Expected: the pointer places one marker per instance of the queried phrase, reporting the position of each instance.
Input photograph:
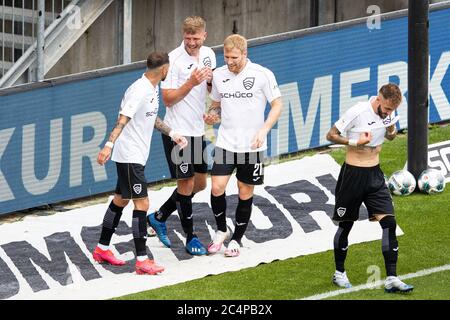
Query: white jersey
(362, 118)
(243, 98)
(186, 116)
(140, 103)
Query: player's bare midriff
(363, 156)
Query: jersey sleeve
(346, 122)
(270, 88)
(215, 94)
(213, 60)
(130, 104)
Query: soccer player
(363, 129)
(184, 94)
(129, 143)
(240, 92)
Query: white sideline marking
(377, 283)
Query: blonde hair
(235, 41)
(194, 24)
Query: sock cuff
(245, 203)
(182, 197)
(174, 194)
(346, 225)
(139, 213)
(213, 197)
(388, 222)
(115, 208)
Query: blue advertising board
(50, 135)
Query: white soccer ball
(402, 183)
(431, 181)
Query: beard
(164, 77)
(380, 113)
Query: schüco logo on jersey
(236, 95)
(248, 84)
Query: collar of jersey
(148, 81)
(370, 105)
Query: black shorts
(356, 185)
(185, 163)
(131, 182)
(249, 165)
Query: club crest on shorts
(184, 167)
(207, 62)
(341, 211)
(137, 188)
(249, 82)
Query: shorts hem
(344, 220)
(373, 219)
(129, 199)
(252, 183)
(221, 174)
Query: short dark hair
(157, 59)
(391, 92)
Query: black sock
(341, 244)
(110, 223)
(243, 212)
(219, 208)
(139, 227)
(167, 208)
(389, 245)
(184, 206)
(189, 236)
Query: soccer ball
(402, 183)
(431, 181)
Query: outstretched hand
(180, 140)
(199, 75)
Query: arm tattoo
(117, 130)
(215, 110)
(112, 137)
(162, 127)
(334, 135)
(119, 125)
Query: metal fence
(19, 25)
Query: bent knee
(118, 201)
(185, 186)
(199, 187)
(141, 204)
(217, 190)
